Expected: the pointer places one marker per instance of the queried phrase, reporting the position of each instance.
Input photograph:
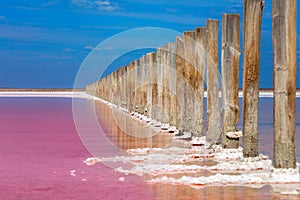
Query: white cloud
(90, 47)
(2, 17)
(102, 5)
(69, 50)
(106, 6)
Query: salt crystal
(235, 134)
(72, 172)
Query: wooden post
(159, 107)
(180, 84)
(127, 87)
(113, 87)
(230, 79)
(124, 86)
(200, 66)
(98, 88)
(148, 85)
(137, 84)
(117, 93)
(189, 74)
(172, 82)
(165, 87)
(154, 92)
(131, 92)
(106, 86)
(284, 42)
(143, 86)
(213, 131)
(252, 30)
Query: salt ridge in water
(253, 172)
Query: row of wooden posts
(168, 85)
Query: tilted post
(213, 130)
(253, 10)
(284, 43)
(230, 80)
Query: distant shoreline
(83, 90)
(42, 89)
(264, 93)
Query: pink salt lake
(42, 156)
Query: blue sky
(43, 43)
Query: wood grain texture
(213, 130)
(200, 73)
(230, 78)
(284, 43)
(253, 10)
(189, 78)
(180, 83)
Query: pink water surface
(39, 146)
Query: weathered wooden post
(107, 87)
(253, 10)
(189, 75)
(165, 87)
(148, 84)
(200, 66)
(112, 85)
(131, 91)
(98, 88)
(158, 107)
(124, 86)
(172, 82)
(180, 84)
(127, 87)
(117, 93)
(137, 84)
(213, 131)
(284, 43)
(154, 92)
(230, 80)
(143, 86)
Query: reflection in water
(128, 132)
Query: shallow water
(40, 146)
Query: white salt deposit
(73, 172)
(235, 134)
(252, 172)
